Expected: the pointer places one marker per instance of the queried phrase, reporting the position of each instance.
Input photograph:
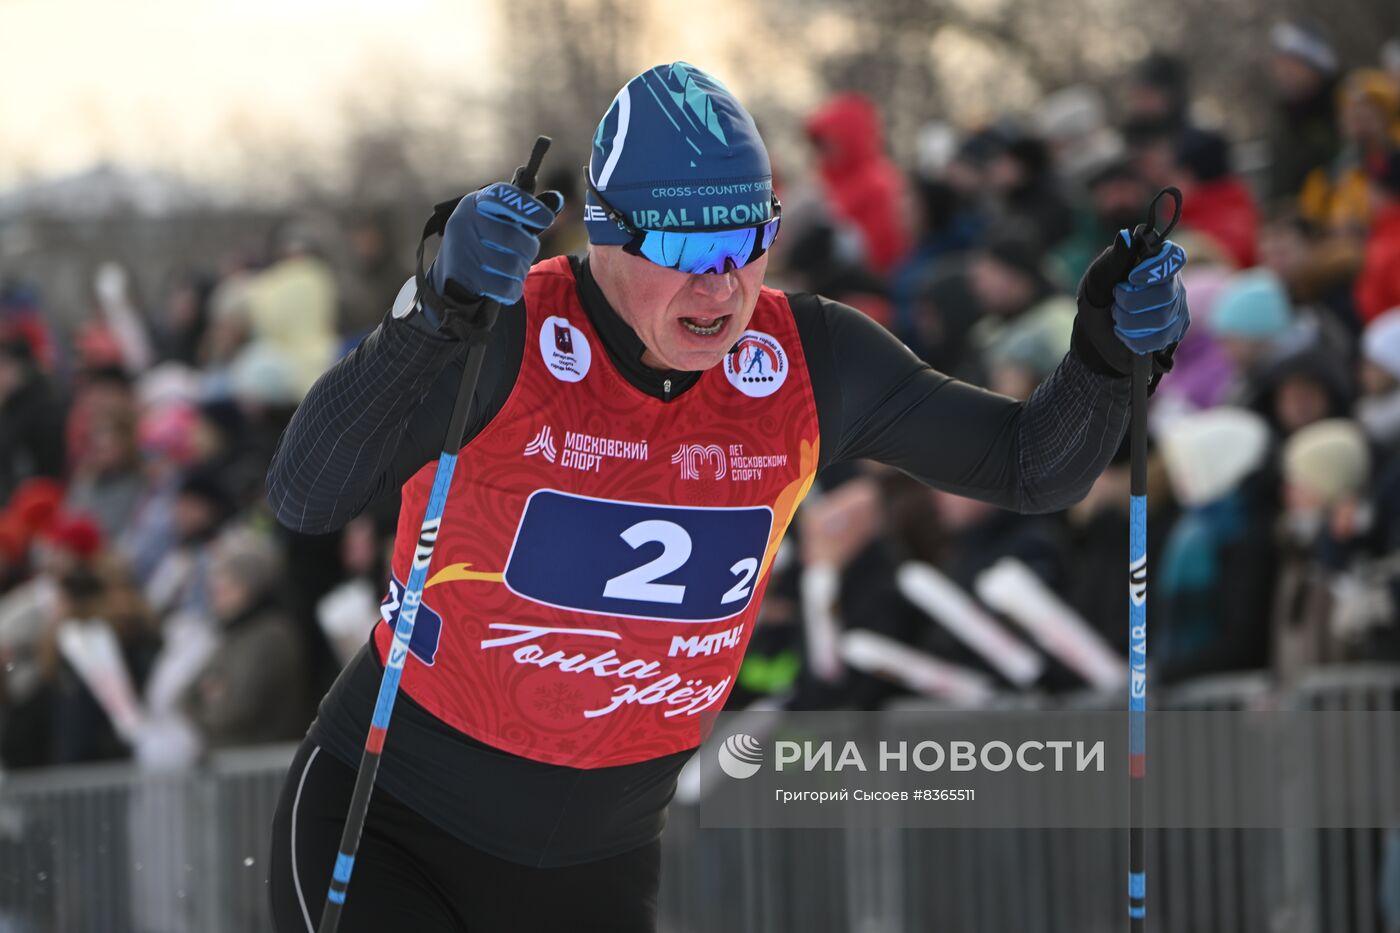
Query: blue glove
(1128, 310)
(1149, 310)
(489, 243)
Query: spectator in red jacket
(1216, 201)
(1378, 286)
(865, 187)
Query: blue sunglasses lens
(707, 251)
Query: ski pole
(524, 179)
(1146, 240)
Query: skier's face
(688, 322)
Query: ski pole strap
(471, 319)
(1174, 193)
(1146, 237)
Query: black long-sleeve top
(378, 415)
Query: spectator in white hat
(1379, 407)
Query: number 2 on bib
(635, 559)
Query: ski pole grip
(524, 177)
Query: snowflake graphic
(557, 700)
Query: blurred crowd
(151, 608)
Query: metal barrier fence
(110, 849)
(106, 849)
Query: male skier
(646, 423)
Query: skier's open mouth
(705, 326)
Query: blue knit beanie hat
(677, 151)
(1252, 304)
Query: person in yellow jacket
(292, 309)
(1337, 198)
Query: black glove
(489, 240)
(1129, 307)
